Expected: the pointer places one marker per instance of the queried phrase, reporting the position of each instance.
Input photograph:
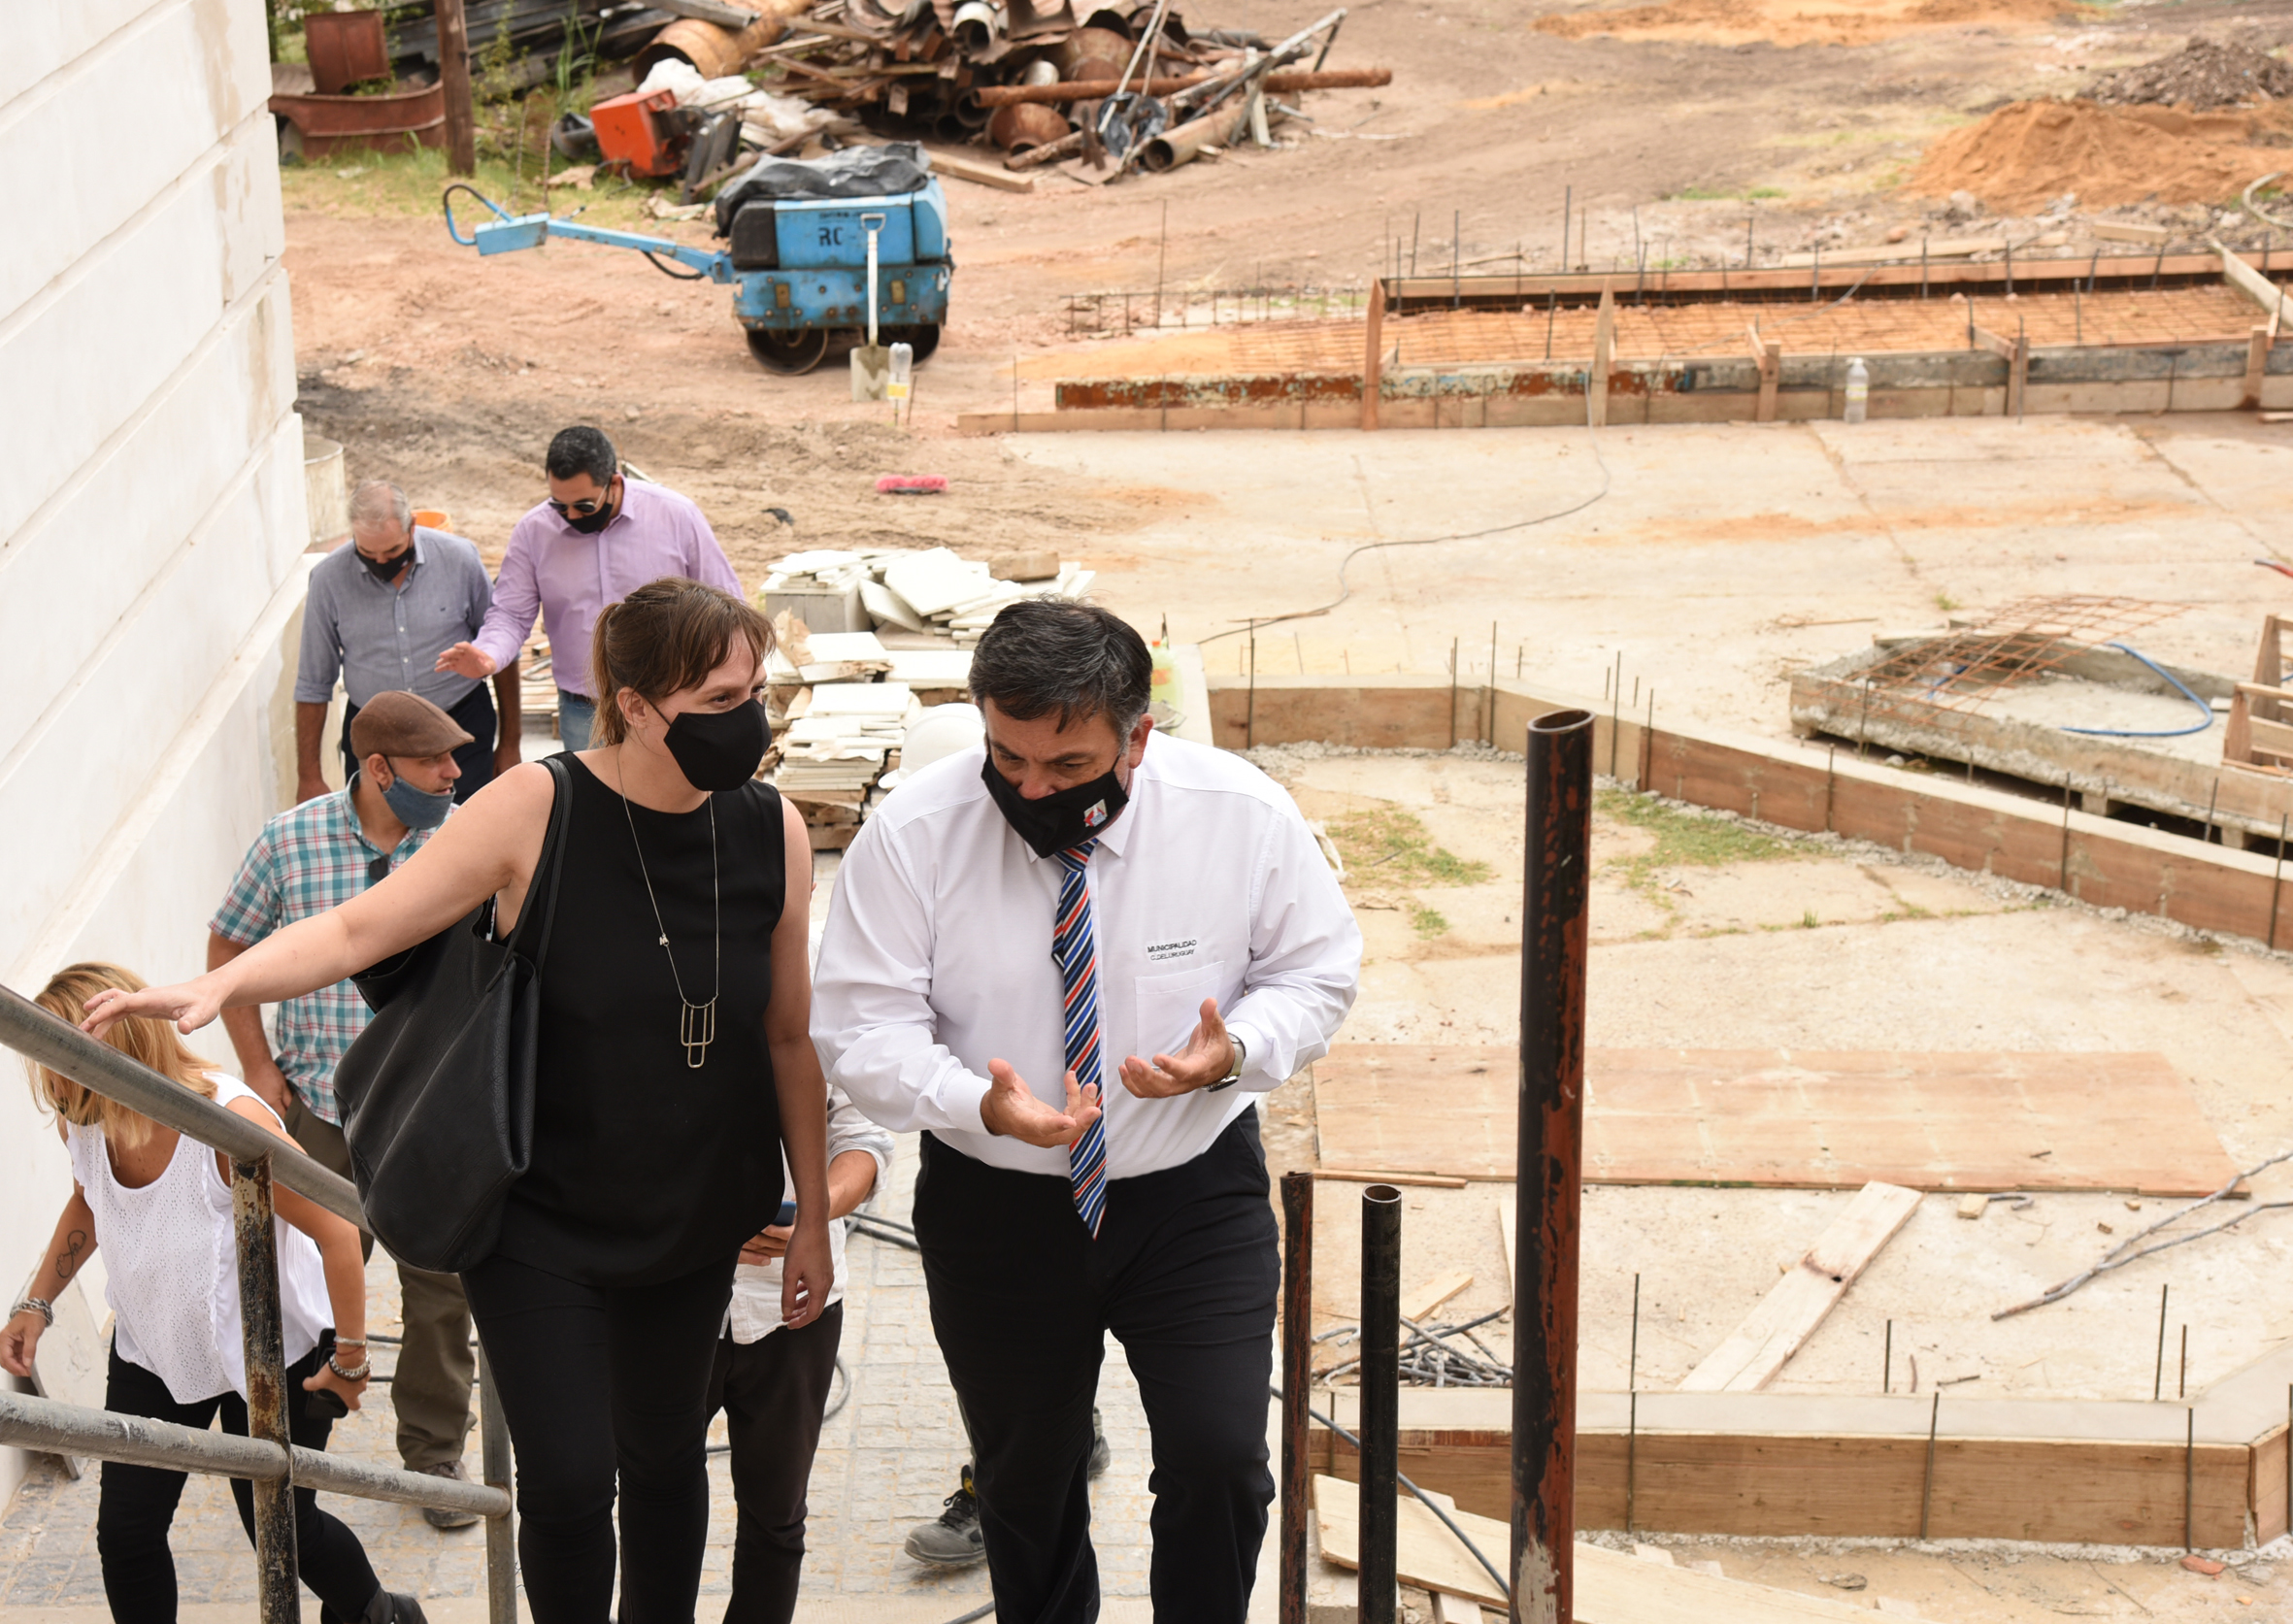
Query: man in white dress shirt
(1074, 958)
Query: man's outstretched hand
(1207, 1058)
(1011, 1109)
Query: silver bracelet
(364, 1370)
(46, 1308)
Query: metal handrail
(68, 1429)
(267, 1455)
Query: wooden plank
(1372, 368)
(1775, 1330)
(1859, 1487)
(981, 174)
(2242, 277)
(1506, 1216)
(1458, 1609)
(1793, 1119)
(1426, 1553)
(2256, 365)
(1419, 1304)
(1604, 354)
(1353, 1176)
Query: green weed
(1396, 846)
(1685, 838)
(1427, 923)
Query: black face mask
(386, 570)
(588, 524)
(719, 750)
(1062, 819)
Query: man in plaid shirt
(309, 859)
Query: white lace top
(173, 1266)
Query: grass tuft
(1685, 838)
(1396, 846)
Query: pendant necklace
(696, 1023)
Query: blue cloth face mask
(417, 809)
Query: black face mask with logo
(1062, 819)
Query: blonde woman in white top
(160, 1206)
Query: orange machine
(643, 132)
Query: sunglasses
(583, 508)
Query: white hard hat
(943, 731)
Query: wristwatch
(1233, 1072)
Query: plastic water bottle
(903, 371)
(1858, 391)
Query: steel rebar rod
(1550, 1159)
(68, 1051)
(1381, 1403)
(1297, 1382)
(30, 1422)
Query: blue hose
(2204, 709)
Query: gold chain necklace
(696, 1023)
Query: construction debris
(2202, 76)
(1032, 79)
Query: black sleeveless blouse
(646, 1169)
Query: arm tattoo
(67, 1261)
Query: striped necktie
(1072, 942)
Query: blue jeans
(575, 715)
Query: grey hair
(377, 502)
(1045, 655)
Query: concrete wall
(151, 522)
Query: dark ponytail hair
(665, 636)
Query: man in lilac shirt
(599, 537)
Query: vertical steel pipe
(263, 1343)
(501, 1532)
(1551, 1163)
(1380, 1401)
(1297, 1385)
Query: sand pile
(1797, 22)
(2026, 154)
(2202, 76)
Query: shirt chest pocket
(1169, 1006)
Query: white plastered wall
(151, 519)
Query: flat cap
(403, 724)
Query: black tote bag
(437, 1093)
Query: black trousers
(1183, 1272)
(599, 1383)
(135, 1504)
(774, 1394)
(474, 716)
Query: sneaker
(437, 1516)
(1101, 1455)
(394, 1608)
(953, 1539)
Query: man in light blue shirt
(378, 614)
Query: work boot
(1101, 1455)
(392, 1608)
(952, 1540)
(437, 1516)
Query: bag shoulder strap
(549, 863)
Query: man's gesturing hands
(1207, 1058)
(1012, 1109)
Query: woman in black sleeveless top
(674, 1063)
